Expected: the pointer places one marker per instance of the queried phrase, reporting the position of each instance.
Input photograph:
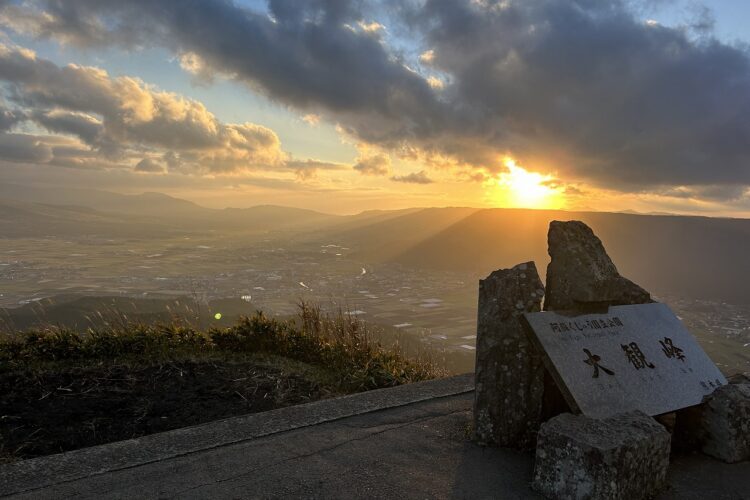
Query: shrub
(340, 343)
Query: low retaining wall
(36, 473)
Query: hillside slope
(664, 253)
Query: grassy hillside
(79, 313)
(61, 390)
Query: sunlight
(520, 188)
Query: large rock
(720, 427)
(581, 277)
(622, 457)
(509, 371)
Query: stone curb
(36, 473)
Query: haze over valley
(83, 257)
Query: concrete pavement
(406, 442)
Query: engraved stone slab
(634, 357)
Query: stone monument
(509, 373)
(581, 277)
(613, 356)
(625, 455)
(634, 357)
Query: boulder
(509, 372)
(621, 457)
(720, 427)
(581, 277)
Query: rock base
(622, 457)
(720, 427)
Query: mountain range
(698, 257)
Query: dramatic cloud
(314, 55)
(619, 101)
(420, 177)
(123, 117)
(581, 87)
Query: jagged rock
(509, 371)
(720, 427)
(622, 457)
(581, 276)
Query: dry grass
(341, 343)
(62, 390)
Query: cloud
(121, 117)
(302, 54)
(594, 91)
(88, 128)
(195, 65)
(371, 27)
(427, 56)
(716, 193)
(435, 83)
(420, 177)
(573, 191)
(24, 148)
(311, 119)
(8, 118)
(582, 87)
(147, 165)
(377, 164)
(308, 169)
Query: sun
(520, 188)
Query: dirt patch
(49, 412)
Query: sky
(344, 105)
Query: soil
(47, 412)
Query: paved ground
(413, 450)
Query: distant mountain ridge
(158, 208)
(692, 256)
